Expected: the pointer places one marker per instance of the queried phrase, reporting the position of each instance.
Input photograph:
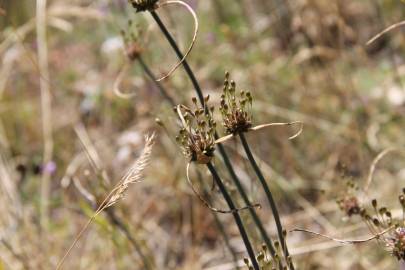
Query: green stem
(225, 157)
(246, 200)
(269, 197)
(235, 214)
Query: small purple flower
(49, 168)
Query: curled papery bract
(386, 30)
(206, 203)
(117, 84)
(255, 128)
(375, 162)
(190, 9)
(346, 241)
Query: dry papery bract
(152, 5)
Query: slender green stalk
(269, 197)
(220, 226)
(152, 77)
(225, 157)
(235, 214)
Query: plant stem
(152, 77)
(224, 155)
(235, 214)
(269, 197)
(246, 200)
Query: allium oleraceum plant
(197, 139)
(388, 229)
(190, 150)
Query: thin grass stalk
(132, 176)
(45, 109)
(269, 197)
(152, 77)
(105, 181)
(235, 214)
(222, 151)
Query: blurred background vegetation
(303, 60)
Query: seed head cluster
(268, 261)
(350, 205)
(396, 243)
(197, 135)
(380, 219)
(235, 110)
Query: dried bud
(143, 5)
(374, 203)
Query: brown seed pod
(133, 51)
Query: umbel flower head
(349, 202)
(235, 108)
(143, 5)
(197, 135)
(382, 220)
(396, 243)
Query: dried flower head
(197, 135)
(268, 261)
(133, 48)
(143, 5)
(396, 243)
(381, 220)
(349, 202)
(235, 108)
(350, 205)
